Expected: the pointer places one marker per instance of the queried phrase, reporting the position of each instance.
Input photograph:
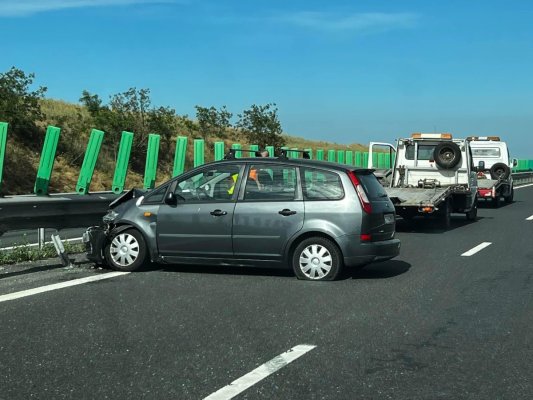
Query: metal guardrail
(58, 211)
(522, 178)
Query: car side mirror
(171, 199)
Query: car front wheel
(126, 251)
(317, 259)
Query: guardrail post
(123, 158)
(310, 151)
(180, 155)
(89, 161)
(340, 156)
(199, 146)
(41, 237)
(150, 170)
(3, 141)
(270, 150)
(46, 163)
(331, 155)
(219, 151)
(237, 146)
(320, 154)
(349, 157)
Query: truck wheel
(500, 171)
(317, 259)
(447, 154)
(126, 251)
(445, 214)
(472, 214)
(509, 198)
(496, 201)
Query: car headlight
(110, 216)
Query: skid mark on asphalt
(240, 385)
(55, 286)
(476, 249)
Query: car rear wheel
(317, 259)
(126, 251)
(445, 214)
(500, 171)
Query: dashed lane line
(240, 385)
(523, 186)
(61, 285)
(529, 218)
(476, 249)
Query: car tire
(509, 198)
(500, 171)
(126, 251)
(472, 214)
(317, 259)
(447, 155)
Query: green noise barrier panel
(365, 159)
(150, 169)
(123, 158)
(3, 141)
(340, 156)
(310, 151)
(237, 146)
(46, 163)
(89, 161)
(294, 152)
(331, 155)
(199, 146)
(253, 147)
(358, 159)
(180, 155)
(270, 150)
(320, 154)
(381, 160)
(219, 151)
(349, 157)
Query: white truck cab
(494, 167)
(432, 173)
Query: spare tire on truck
(500, 171)
(447, 154)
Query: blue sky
(343, 71)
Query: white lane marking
(240, 385)
(530, 218)
(523, 186)
(37, 244)
(55, 286)
(476, 249)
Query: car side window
(157, 195)
(217, 184)
(321, 185)
(270, 183)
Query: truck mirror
(481, 166)
(515, 162)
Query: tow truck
(495, 180)
(433, 174)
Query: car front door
(269, 212)
(199, 223)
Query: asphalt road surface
(430, 324)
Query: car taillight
(363, 198)
(365, 237)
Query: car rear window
(374, 190)
(321, 185)
(425, 151)
(486, 152)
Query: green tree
(213, 122)
(261, 125)
(19, 105)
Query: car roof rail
(230, 154)
(283, 153)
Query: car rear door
(269, 212)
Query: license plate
(389, 218)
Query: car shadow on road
(381, 270)
(221, 270)
(433, 224)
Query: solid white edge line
(240, 385)
(529, 218)
(55, 286)
(37, 244)
(523, 186)
(476, 249)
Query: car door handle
(286, 212)
(218, 213)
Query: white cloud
(355, 22)
(28, 7)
